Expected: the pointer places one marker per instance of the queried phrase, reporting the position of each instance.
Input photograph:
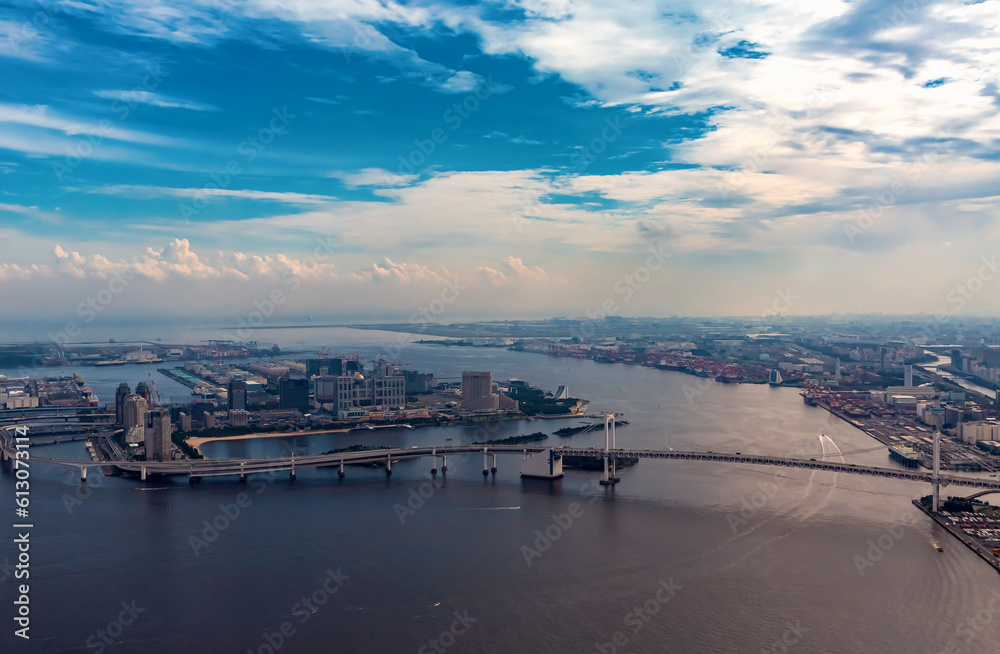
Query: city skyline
(365, 160)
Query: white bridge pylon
(610, 477)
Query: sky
(362, 160)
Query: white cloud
(373, 177)
(146, 192)
(154, 99)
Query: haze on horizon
(526, 158)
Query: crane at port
(156, 392)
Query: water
(792, 557)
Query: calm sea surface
(680, 557)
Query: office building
(478, 394)
(324, 367)
(158, 436)
(120, 395)
(134, 418)
(143, 389)
(294, 394)
(237, 394)
(354, 392)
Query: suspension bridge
(197, 469)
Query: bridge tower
(935, 481)
(609, 427)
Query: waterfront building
(239, 418)
(357, 393)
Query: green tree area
(955, 504)
(516, 440)
(573, 431)
(181, 441)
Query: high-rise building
(324, 367)
(476, 385)
(185, 421)
(120, 395)
(134, 417)
(294, 394)
(201, 406)
(158, 436)
(237, 394)
(207, 419)
(908, 376)
(142, 388)
(238, 418)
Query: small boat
(449, 439)
(939, 548)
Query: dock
(984, 553)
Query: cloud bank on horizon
(538, 155)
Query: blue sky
(533, 153)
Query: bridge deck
(219, 467)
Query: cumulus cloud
(176, 260)
(512, 269)
(387, 270)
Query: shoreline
(196, 442)
(961, 536)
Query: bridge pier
(243, 472)
(142, 473)
(494, 468)
(486, 463)
(83, 475)
(388, 465)
(291, 475)
(341, 473)
(444, 463)
(434, 460)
